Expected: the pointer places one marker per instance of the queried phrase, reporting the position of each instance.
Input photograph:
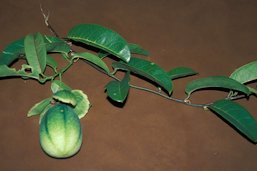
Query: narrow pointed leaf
(65, 96)
(245, 73)
(215, 82)
(238, 116)
(102, 38)
(93, 59)
(35, 51)
(58, 85)
(118, 90)
(55, 44)
(180, 72)
(148, 70)
(83, 103)
(136, 49)
(50, 61)
(38, 108)
(12, 52)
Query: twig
(46, 18)
(187, 102)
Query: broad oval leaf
(179, 72)
(58, 85)
(118, 90)
(216, 82)
(65, 96)
(238, 116)
(102, 38)
(35, 51)
(83, 103)
(136, 49)
(245, 73)
(12, 52)
(38, 108)
(146, 69)
(93, 59)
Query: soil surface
(148, 133)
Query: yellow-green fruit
(60, 132)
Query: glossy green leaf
(58, 85)
(216, 82)
(65, 96)
(133, 48)
(55, 44)
(12, 52)
(83, 103)
(146, 69)
(16, 49)
(118, 90)
(245, 73)
(136, 49)
(252, 90)
(38, 108)
(180, 72)
(102, 38)
(238, 116)
(35, 51)
(93, 59)
(50, 61)
(5, 71)
(44, 112)
(102, 54)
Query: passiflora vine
(60, 130)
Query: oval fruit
(60, 132)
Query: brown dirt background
(149, 133)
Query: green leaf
(102, 38)
(133, 48)
(12, 52)
(93, 59)
(58, 85)
(245, 73)
(5, 71)
(238, 116)
(50, 61)
(216, 82)
(180, 72)
(65, 96)
(16, 49)
(146, 69)
(252, 90)
(136, 49)
(35, 51)
(55, 44)
(39, 107)
(118, 90)
(83, 103)
(44, 112)
(102, 54)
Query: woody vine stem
(111, 75)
